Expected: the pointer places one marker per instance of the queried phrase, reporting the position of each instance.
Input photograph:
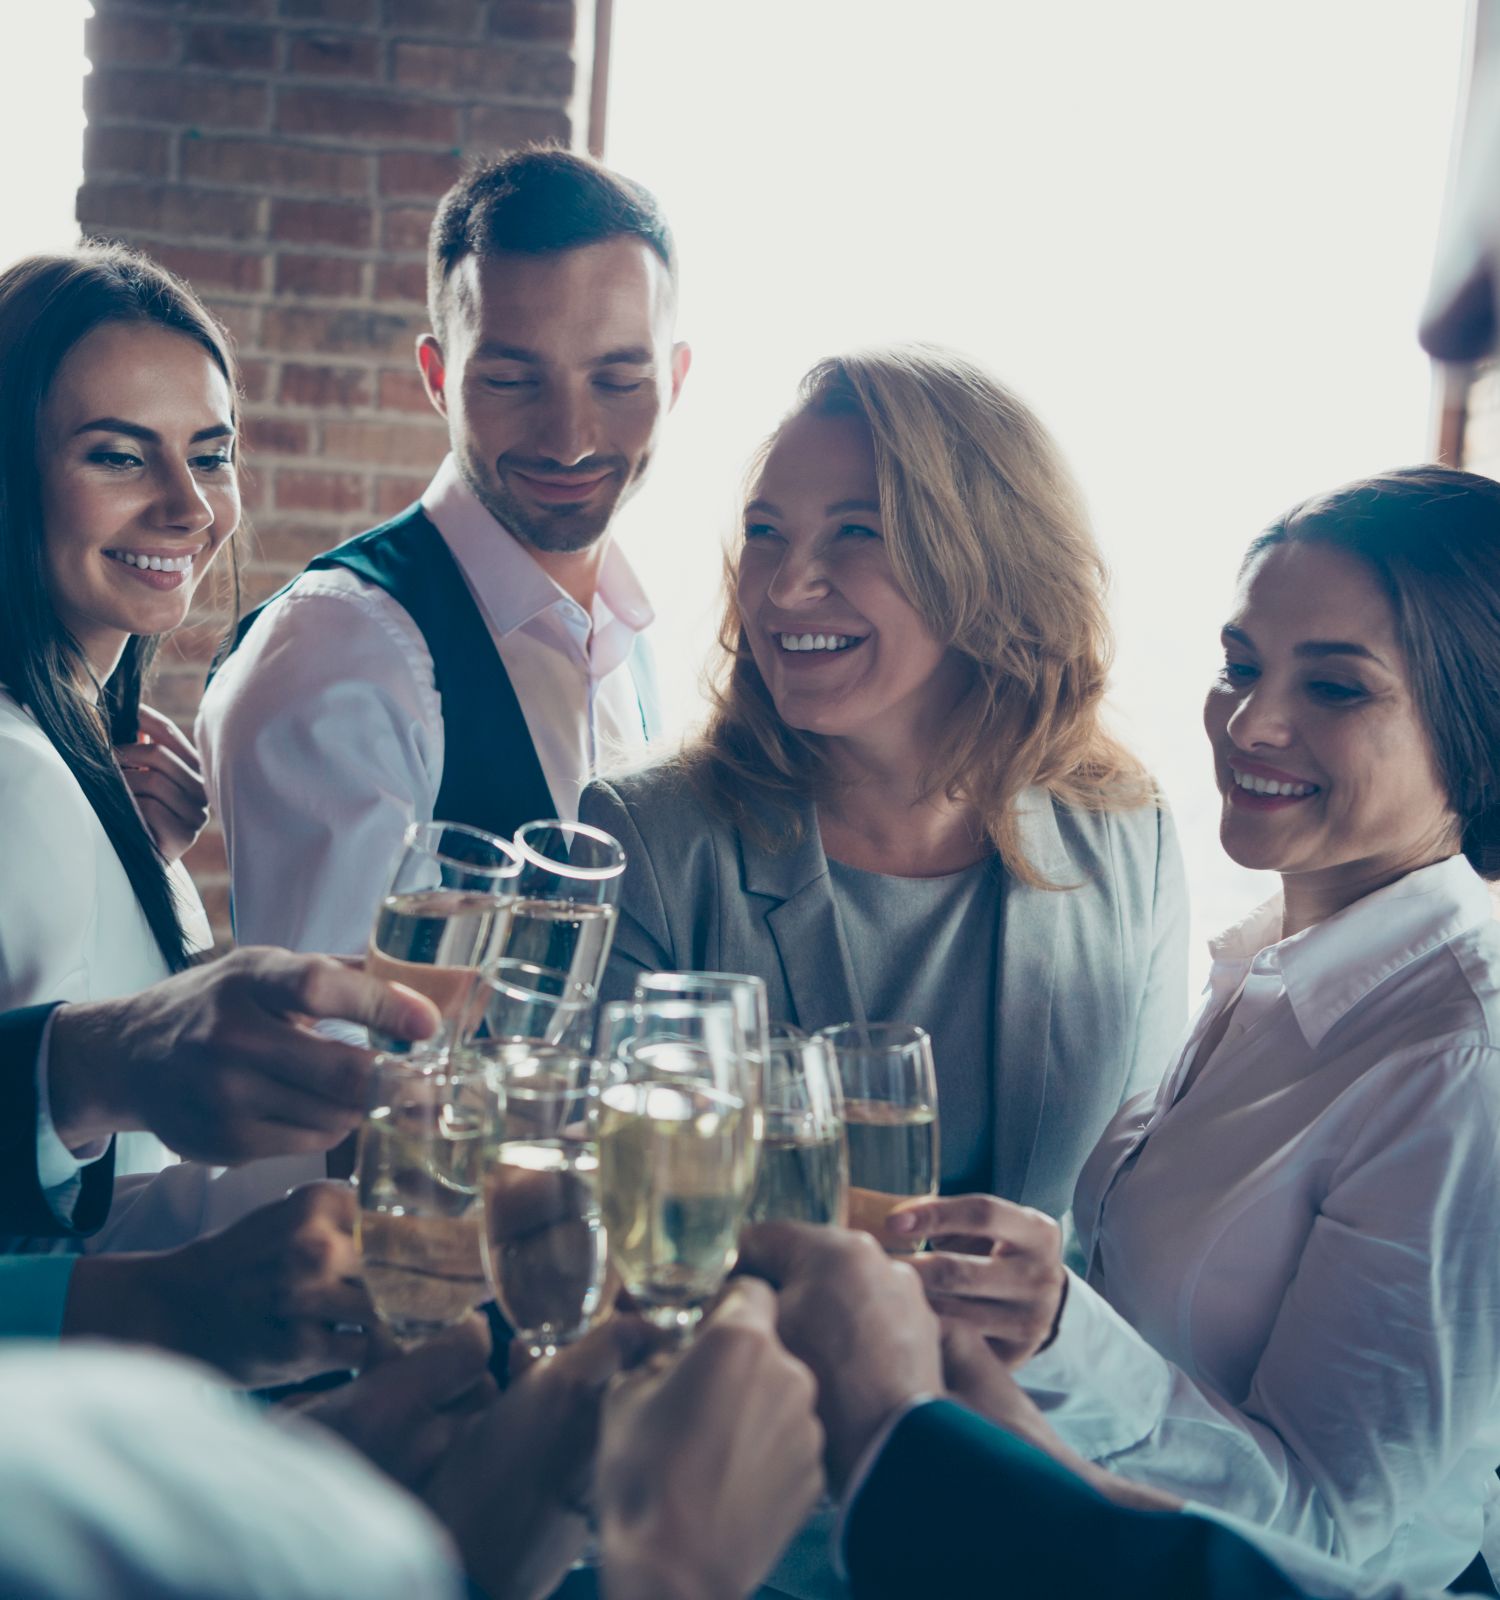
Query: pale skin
(1314, 697)
(554, 373)
(136, 449)
(814, 562)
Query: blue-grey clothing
(1090, 987)
(902, 935)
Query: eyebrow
(837, 509)
(133, 430)
(1314, 649)
(635, 355)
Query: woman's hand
(162, 772)
(994, 1266)
(274, 1298)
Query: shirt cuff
(34, 1295)
(1099, 1383)
(58, 1169)
(862, 1469)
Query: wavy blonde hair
(989, 540)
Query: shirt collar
(509, 585)
(1329, 968)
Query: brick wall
(284, 156)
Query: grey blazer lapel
(1031, 922)
(804, 927)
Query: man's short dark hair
(534, 202)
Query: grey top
(902, 935)
(1089, 979)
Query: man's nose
(565, 426)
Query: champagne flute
(567, 891)
(442, 918)
(544, 1242)
(746, 994)
(890, 1119)
(677, 1149)
(524, 1003)
(711, 1024)
(418, 1173)
(804, 1161)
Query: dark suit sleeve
(955, 1506)
(23, 1205)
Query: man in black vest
(474, 658)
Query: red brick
(321, 222)
(113, 149)
(405, 227)
(215, 897)
(350, 11)
(273, 164)
(255, 380)
(424, 174)
(194, 644)
(321, 491)
(263, 579)
(401, 389)
(177, 692)
(394, 495)
(286, 543)
(197, 100)
(338, 276)
(325, 388)
(207, 269)
(487, 69)
(333, 114)
(169, 208)
(307, 330)
(494, 128)
(124, 40)
(334, 55)
(544, 21)
(416, 443)
(241, 319)
(455, 17)
(402, 280)
(233, 49)
(277, 436)
(206, 859)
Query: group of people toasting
(904, 807)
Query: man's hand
(708, 1462)
(161, 770)
(273, 1299)
(406, 1409)
(220, 1063)
(994, 1266)
(857, 1318)
(511, 1488)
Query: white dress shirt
(128, 1476)
(322, 736)
(71, 927)
(1293, 1303)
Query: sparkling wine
(893, 1156)
(803, 1176)
(544, 1242)
(676, 1164)
(569, 936)
(417, 1227)
(435, 941)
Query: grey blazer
(1092, 986)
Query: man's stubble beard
(560, 535)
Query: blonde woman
(905, 806)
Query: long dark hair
(1431, 535)
(48, 304)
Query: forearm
(119, 1298)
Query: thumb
(775, 1251)
(437, 1372)
(746, 1303)
(322, 987)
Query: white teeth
(815, 641)
(1270, 786)
(151, 563)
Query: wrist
(82, 1081)
(118, 1297)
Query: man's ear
(682, 359)
(434, 371)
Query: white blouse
(1292, 1311)
(71, 927)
